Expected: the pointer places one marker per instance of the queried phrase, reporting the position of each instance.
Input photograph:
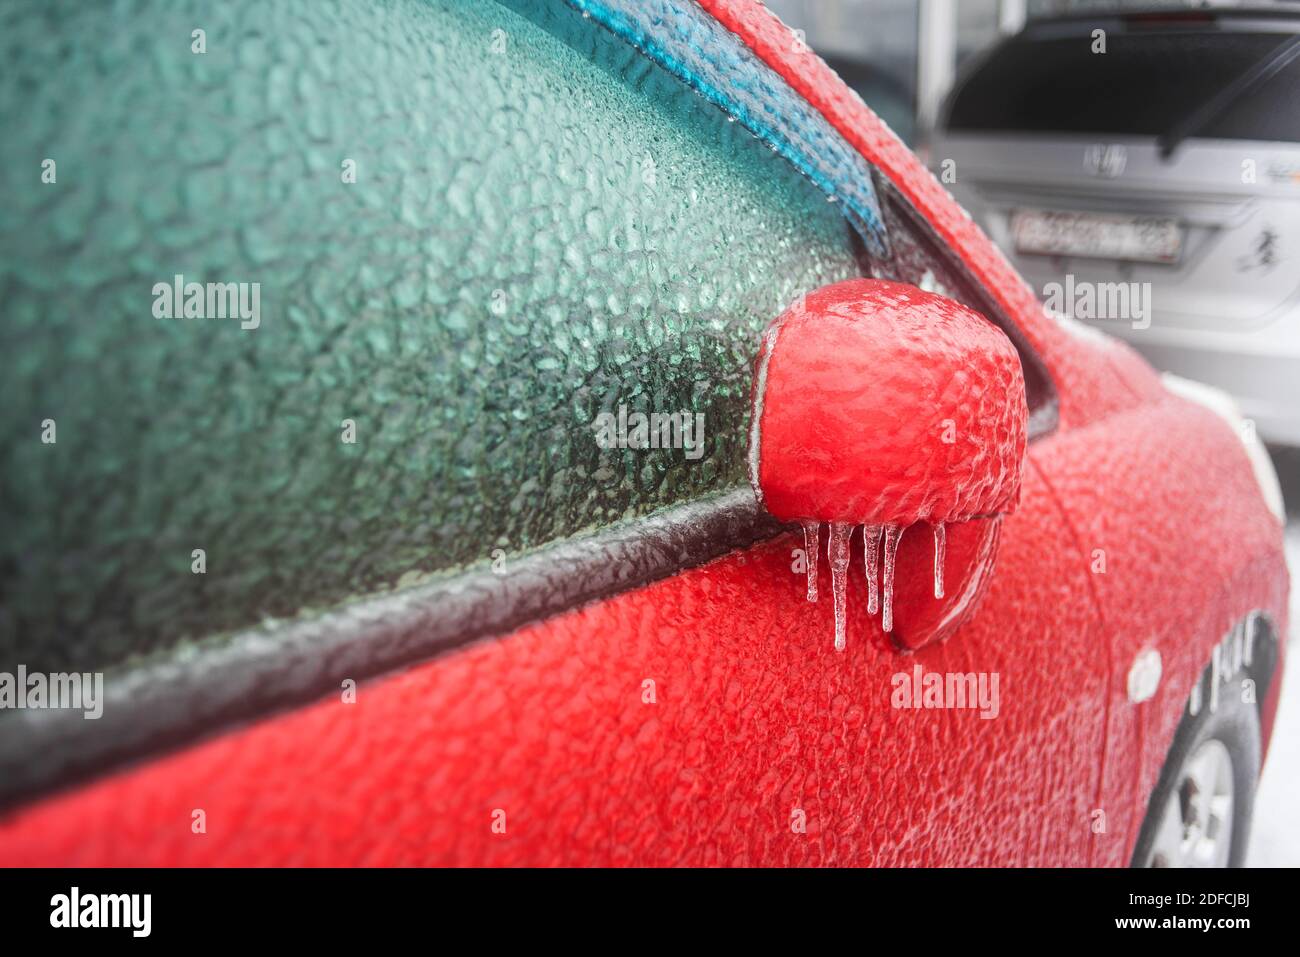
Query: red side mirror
(878, 404)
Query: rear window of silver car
(1144, 84)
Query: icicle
(940, 540)
(810, 547)
(892, 534)
(838, 552)
(871, 550)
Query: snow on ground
(1275, 840)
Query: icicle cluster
(880, 593)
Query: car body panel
(706, 719)
(1164, 506)
(1225, 193)
(754, 718)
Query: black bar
(443, 909)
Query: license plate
(1151, 239)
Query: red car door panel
(1179, 549)
(705, 720)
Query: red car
(595, 338)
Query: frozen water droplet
(838, 552)
(810, 546)
(940, 540)
(892, 534)
(871, 550)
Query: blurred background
(1148, 147)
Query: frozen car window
(472, 232)
(1142, 85)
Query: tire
(1179, 803)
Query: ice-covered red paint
(882, 404)
(753, 722)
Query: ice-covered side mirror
(880, 405)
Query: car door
(584, 219)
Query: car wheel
(1200, 811)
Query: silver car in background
(1142, 171)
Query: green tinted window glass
(473, 227)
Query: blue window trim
(713, 61)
